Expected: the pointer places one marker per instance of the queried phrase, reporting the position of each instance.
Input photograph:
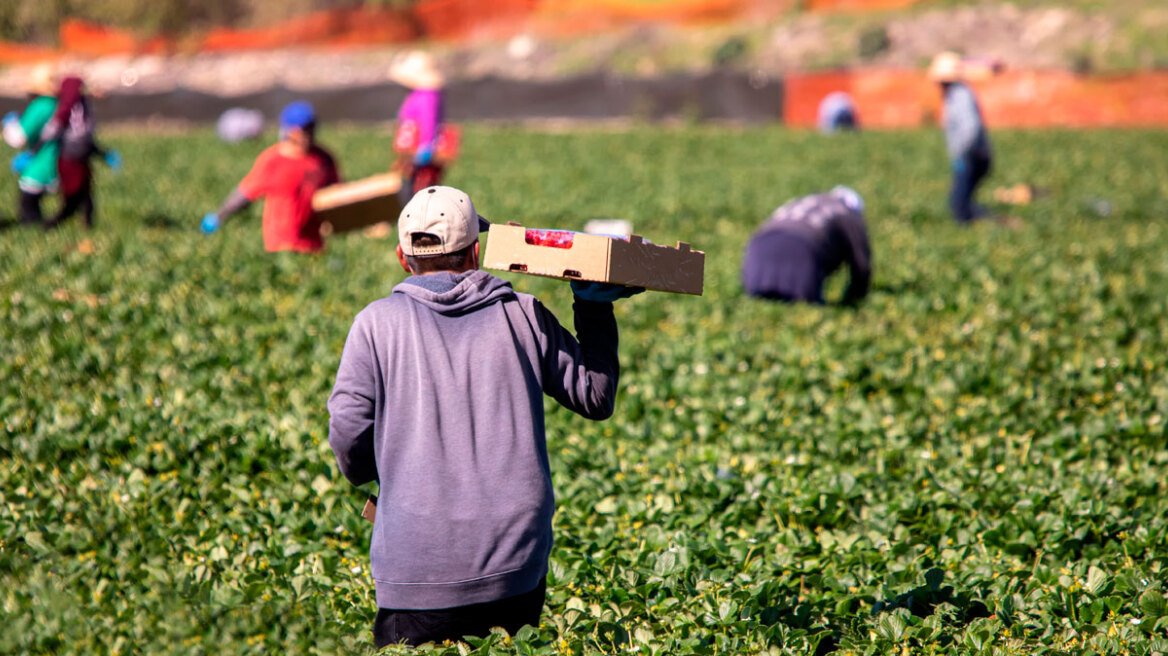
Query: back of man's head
(455, 261)
(438, 230)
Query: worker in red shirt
(286, 175)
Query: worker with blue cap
(803, 242)
(286, 175)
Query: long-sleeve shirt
(965, 132)
(439, 398)
(424, 107)
(801, 244)
(41, 173)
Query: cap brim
(484, 225)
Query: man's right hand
(210, 223)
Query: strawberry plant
(971, 462)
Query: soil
(1025, 38)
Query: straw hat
(416, 70)
(946, 67)
(42, 80)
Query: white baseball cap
(444, 212)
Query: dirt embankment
(771, 42)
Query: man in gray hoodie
(965, 135)
(439, 398)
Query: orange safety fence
(437, 19)
(85, 39)
(896, 99)
(448, 20)
(454, 20)
(333, 27)
(858, 5)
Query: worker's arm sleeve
(235, 202)
(255, 184)
(581, 372)
(34, 119)
(351, 408)
(859, 257)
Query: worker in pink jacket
(419, 122)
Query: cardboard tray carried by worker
(598, 258)
(358, 204)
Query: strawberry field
(974, 461)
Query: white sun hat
(42, 80)
(417, 70)
(946, 67)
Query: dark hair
(431, 263)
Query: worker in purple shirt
(803, 242)
(419, 121)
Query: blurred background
(1084, 63)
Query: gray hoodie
(439, 398)
(965, 133)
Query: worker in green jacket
(37, 163)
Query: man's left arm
(351, 408)
(858, 257)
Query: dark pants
(415, 627)
(965, 181)
(80, 201)
(30, 208)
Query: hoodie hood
(455, 293)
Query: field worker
(837, 113)
(36, 165)
(74, 126)
(965, 135)
(286, 175)
(805, 241)
(419, 120)
(439, 398)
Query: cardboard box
(354, 205)
(580, 256)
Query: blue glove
(114, 159)
(424, 156)
(210, 223)
(21, 161)
(959, 165)
(603, 292)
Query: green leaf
(1097, 580)
(1152, 604)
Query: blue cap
(297, 114)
